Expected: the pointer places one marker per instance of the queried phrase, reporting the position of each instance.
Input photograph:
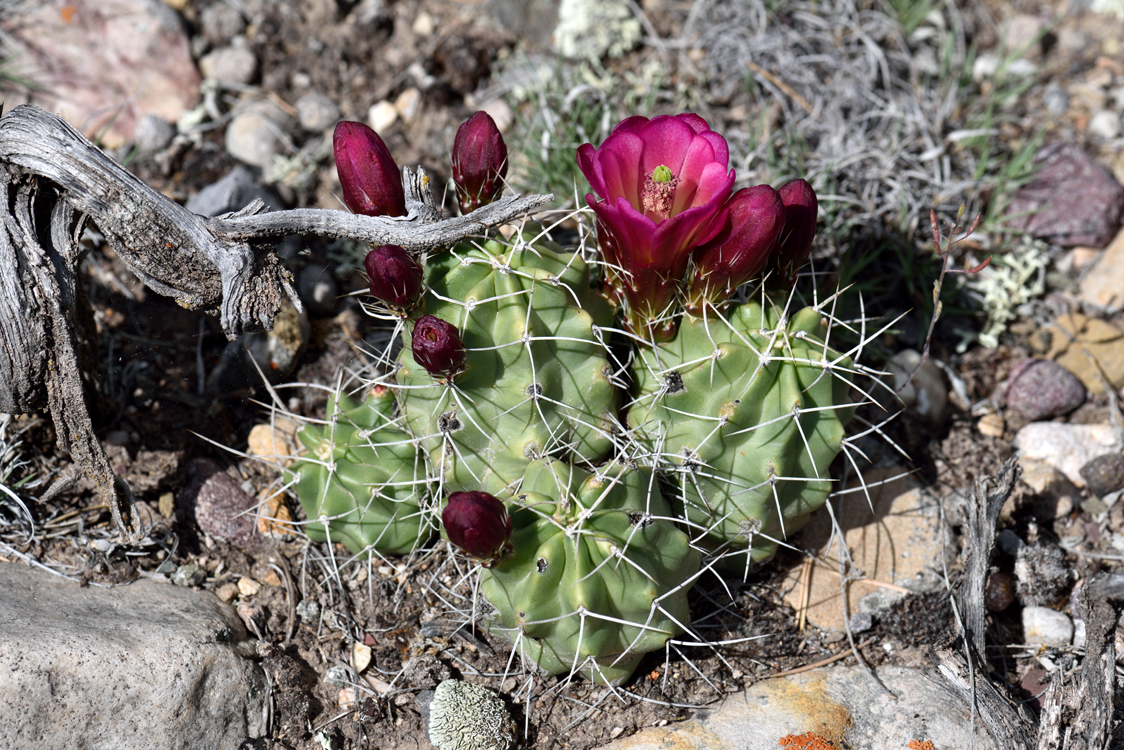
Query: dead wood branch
(53, 180)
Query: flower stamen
(658, 195)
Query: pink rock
(105, 64)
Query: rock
(926, 395)
(1103, 285)
(230, 65)
(103, 64)
(1087, 347)
(1055, 494)
(1046, 627)
(839, 705)
(139, 666)
(274, 441)
(1066, 447)
(317, 112)
(381, 116)
(991, 425)
(218, 504)
(220, 23)
(1104, 474)
(318, 291)
(1022, 36)
(408, 104)
(189, 576)
(1033, 686)
(1104, 125)
(1039, 389)
(251, 136)
(424, 25)
(464, 716)
(900, 544)
(152, 134)
(1071, 200)
(233, 192)
(1055, 98)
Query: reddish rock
(218, 504)
(1072, 200)
(1040, 389)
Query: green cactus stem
(366, 476)
(536, 379)
(600, 573)
(748, 413)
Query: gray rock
(317, 112)
(842, 705)
(131, 667)
(1040, 389)
(926, 395)
(153, 134)
(230, 65)
(217, 503)
(1104, 474)
(318, 291)
(220, 23)
(1066, 447)
(252, 134)
(1104, 125)
(464, 716)
(1046, 627)
(1022, 35)
(189, 575)
(1071, 200)
(235, 191)
(1055, 98)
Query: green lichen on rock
(464, 716)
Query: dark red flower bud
(371, 183)
(479, 162)
(437, 347)
(795, 243)
(395, 277)
(479, 525)
(742, 247)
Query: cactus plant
(747, 413)
(600, 572)
(536, 378)
(365, 476)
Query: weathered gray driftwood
(53, 180)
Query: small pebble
(218, 504)
(1104, 474)
(248, 586)
(991, 425)
(1104, 125)
(153, 133)
(189, 575)
(317, 112)
(1046, 627)
(360, 657)
(271, 578)
(999, 592)
(220, 23)
(382, 116)
(1040, 389)
(1055, 98)
(407, 104)
(251, 136)
(318, 291)
(227, 591)
(230, 65)
(424, 25)
(861, 622)
(1033, 686)
(274, 518)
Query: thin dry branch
(53, 181)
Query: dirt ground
(315, 602)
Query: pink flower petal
(666, 141)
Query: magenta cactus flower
(795, 242)
(740, 250)
(479, 525)
(660, 187)
(437, 346)
(370, 180)
(479, 162)
(394, 277)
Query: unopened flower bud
(395, 277)
(478, 524)
(479, 162)
(795, 242)
(741, 248)
(437, 347)
(370, 180)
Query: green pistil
(662, 174)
